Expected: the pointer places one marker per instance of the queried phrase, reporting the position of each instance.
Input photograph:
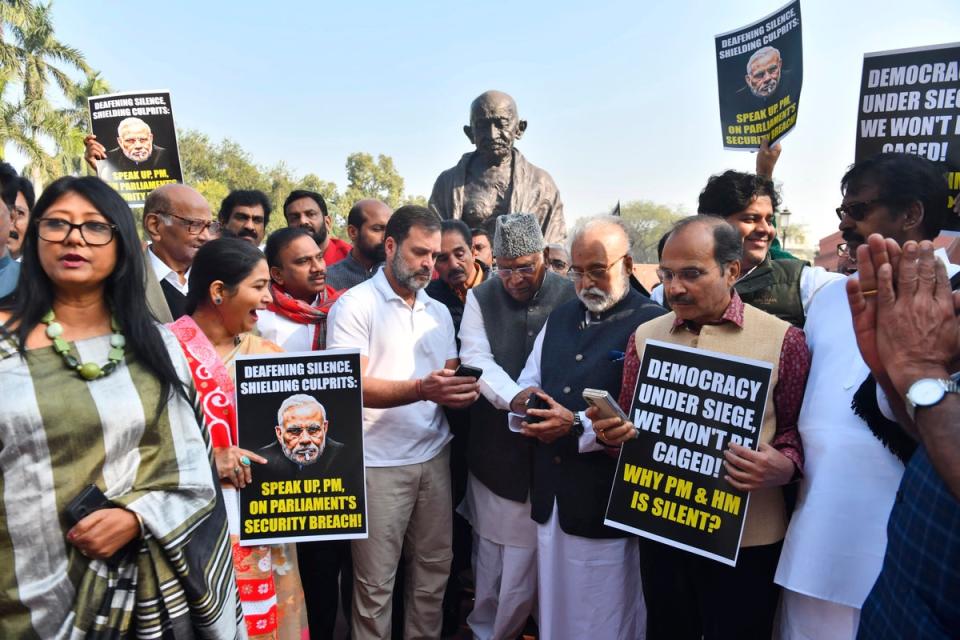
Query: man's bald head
(494, 125)
(367, 207)
(169, 197)
(179, 222)
(366, 224)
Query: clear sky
(621, 96)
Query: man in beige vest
(689, 596)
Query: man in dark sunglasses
(179, 221)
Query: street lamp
(784, 227)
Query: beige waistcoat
(761, 338)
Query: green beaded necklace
(86, 370)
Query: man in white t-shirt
(407, 360)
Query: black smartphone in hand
(466, 371)
(535, 402)
(86, 502)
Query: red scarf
(302, 313)
(212, 380)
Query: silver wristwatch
(927, 392)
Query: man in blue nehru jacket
(588, 574)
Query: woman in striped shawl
(98, 398)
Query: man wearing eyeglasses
(588, 574)
(21, 217)
(501, 320)
(9, 268)
(178, 220)
(557, 259)
(699, 265)
(835, 543)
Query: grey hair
(586, 224)
(727, 243)
(298, 400)
(759, 53)
(129, 122)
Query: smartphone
(607, 406)
(535, 402)
(466, 371)
(86, 502)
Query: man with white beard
(588, 573)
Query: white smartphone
(608, 407)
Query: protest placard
(303, 412)
(910, 103)
(138, 132)
(759, 76)
(689, 404)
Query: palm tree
(31, 59)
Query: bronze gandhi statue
(496, 178)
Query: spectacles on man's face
(194, 227)
(93, 233)
(857, 210)
(558, 265)
(598, 273)
(690, 274)
(523, 272)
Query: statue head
(494, 125)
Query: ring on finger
(245, 461)
(236, 470)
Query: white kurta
(292, 336)
(505, 537)
(837, 536)
(589, 587)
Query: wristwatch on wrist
(927, 392)
(577, 428)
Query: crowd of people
(117, 370)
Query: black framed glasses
(594, 274)
(857, 210)
(93, 233)
(194, 227)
